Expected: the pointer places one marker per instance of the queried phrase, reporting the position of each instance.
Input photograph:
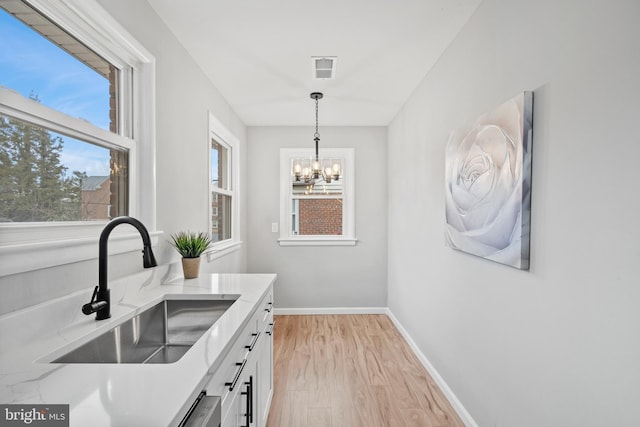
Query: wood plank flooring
(351, 371)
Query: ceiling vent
(324, 67)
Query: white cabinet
(244, 379)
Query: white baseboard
(448, 393)
(331, 310)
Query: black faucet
(101, 299)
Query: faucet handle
(93, 305)
(95, 294)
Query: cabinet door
(250, 415)
(265, 374)
(252, 406)
(242, 405)
(233, 417)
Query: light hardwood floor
(350, 371)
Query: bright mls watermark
(34, 415)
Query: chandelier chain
(316, 135)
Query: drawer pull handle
(253, 342)
(270, 331)
(249, 402)
(232, 384)
(268, 309)
(250, 399)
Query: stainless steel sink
(160, 334)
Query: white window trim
(348, 237)
(223, 136)
(31, 246)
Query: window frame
(348, 237)
(222, 136)
(30, 246)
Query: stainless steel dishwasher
(205, 412)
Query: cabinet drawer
(230, 367)
(268, 326)
(267, 307)
(226, 378)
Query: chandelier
(314, 169)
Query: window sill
(318, 241)
(22, 257)
(218, 251)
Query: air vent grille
(324, 67)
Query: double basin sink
(161, 334)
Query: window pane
(45, 176)
(219, 162)
(41, 61)
(220, 217)
(316, 216)
(313, 217)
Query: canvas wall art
(488, 184)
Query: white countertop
(118, 394)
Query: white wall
(313, 276)
(183, 98)
(558, 345)
(184, 95)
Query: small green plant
(190, 244)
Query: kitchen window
(71, 154)
(317, 212)
(223, 190)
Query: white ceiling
(258, 53)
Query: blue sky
(31, 64)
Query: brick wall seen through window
(320, 217)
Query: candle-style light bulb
(335, 171)
(306, 174)
(327, 175)
(297, 170)
(316, 169)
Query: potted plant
(190, 245)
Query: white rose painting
(488, 184)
